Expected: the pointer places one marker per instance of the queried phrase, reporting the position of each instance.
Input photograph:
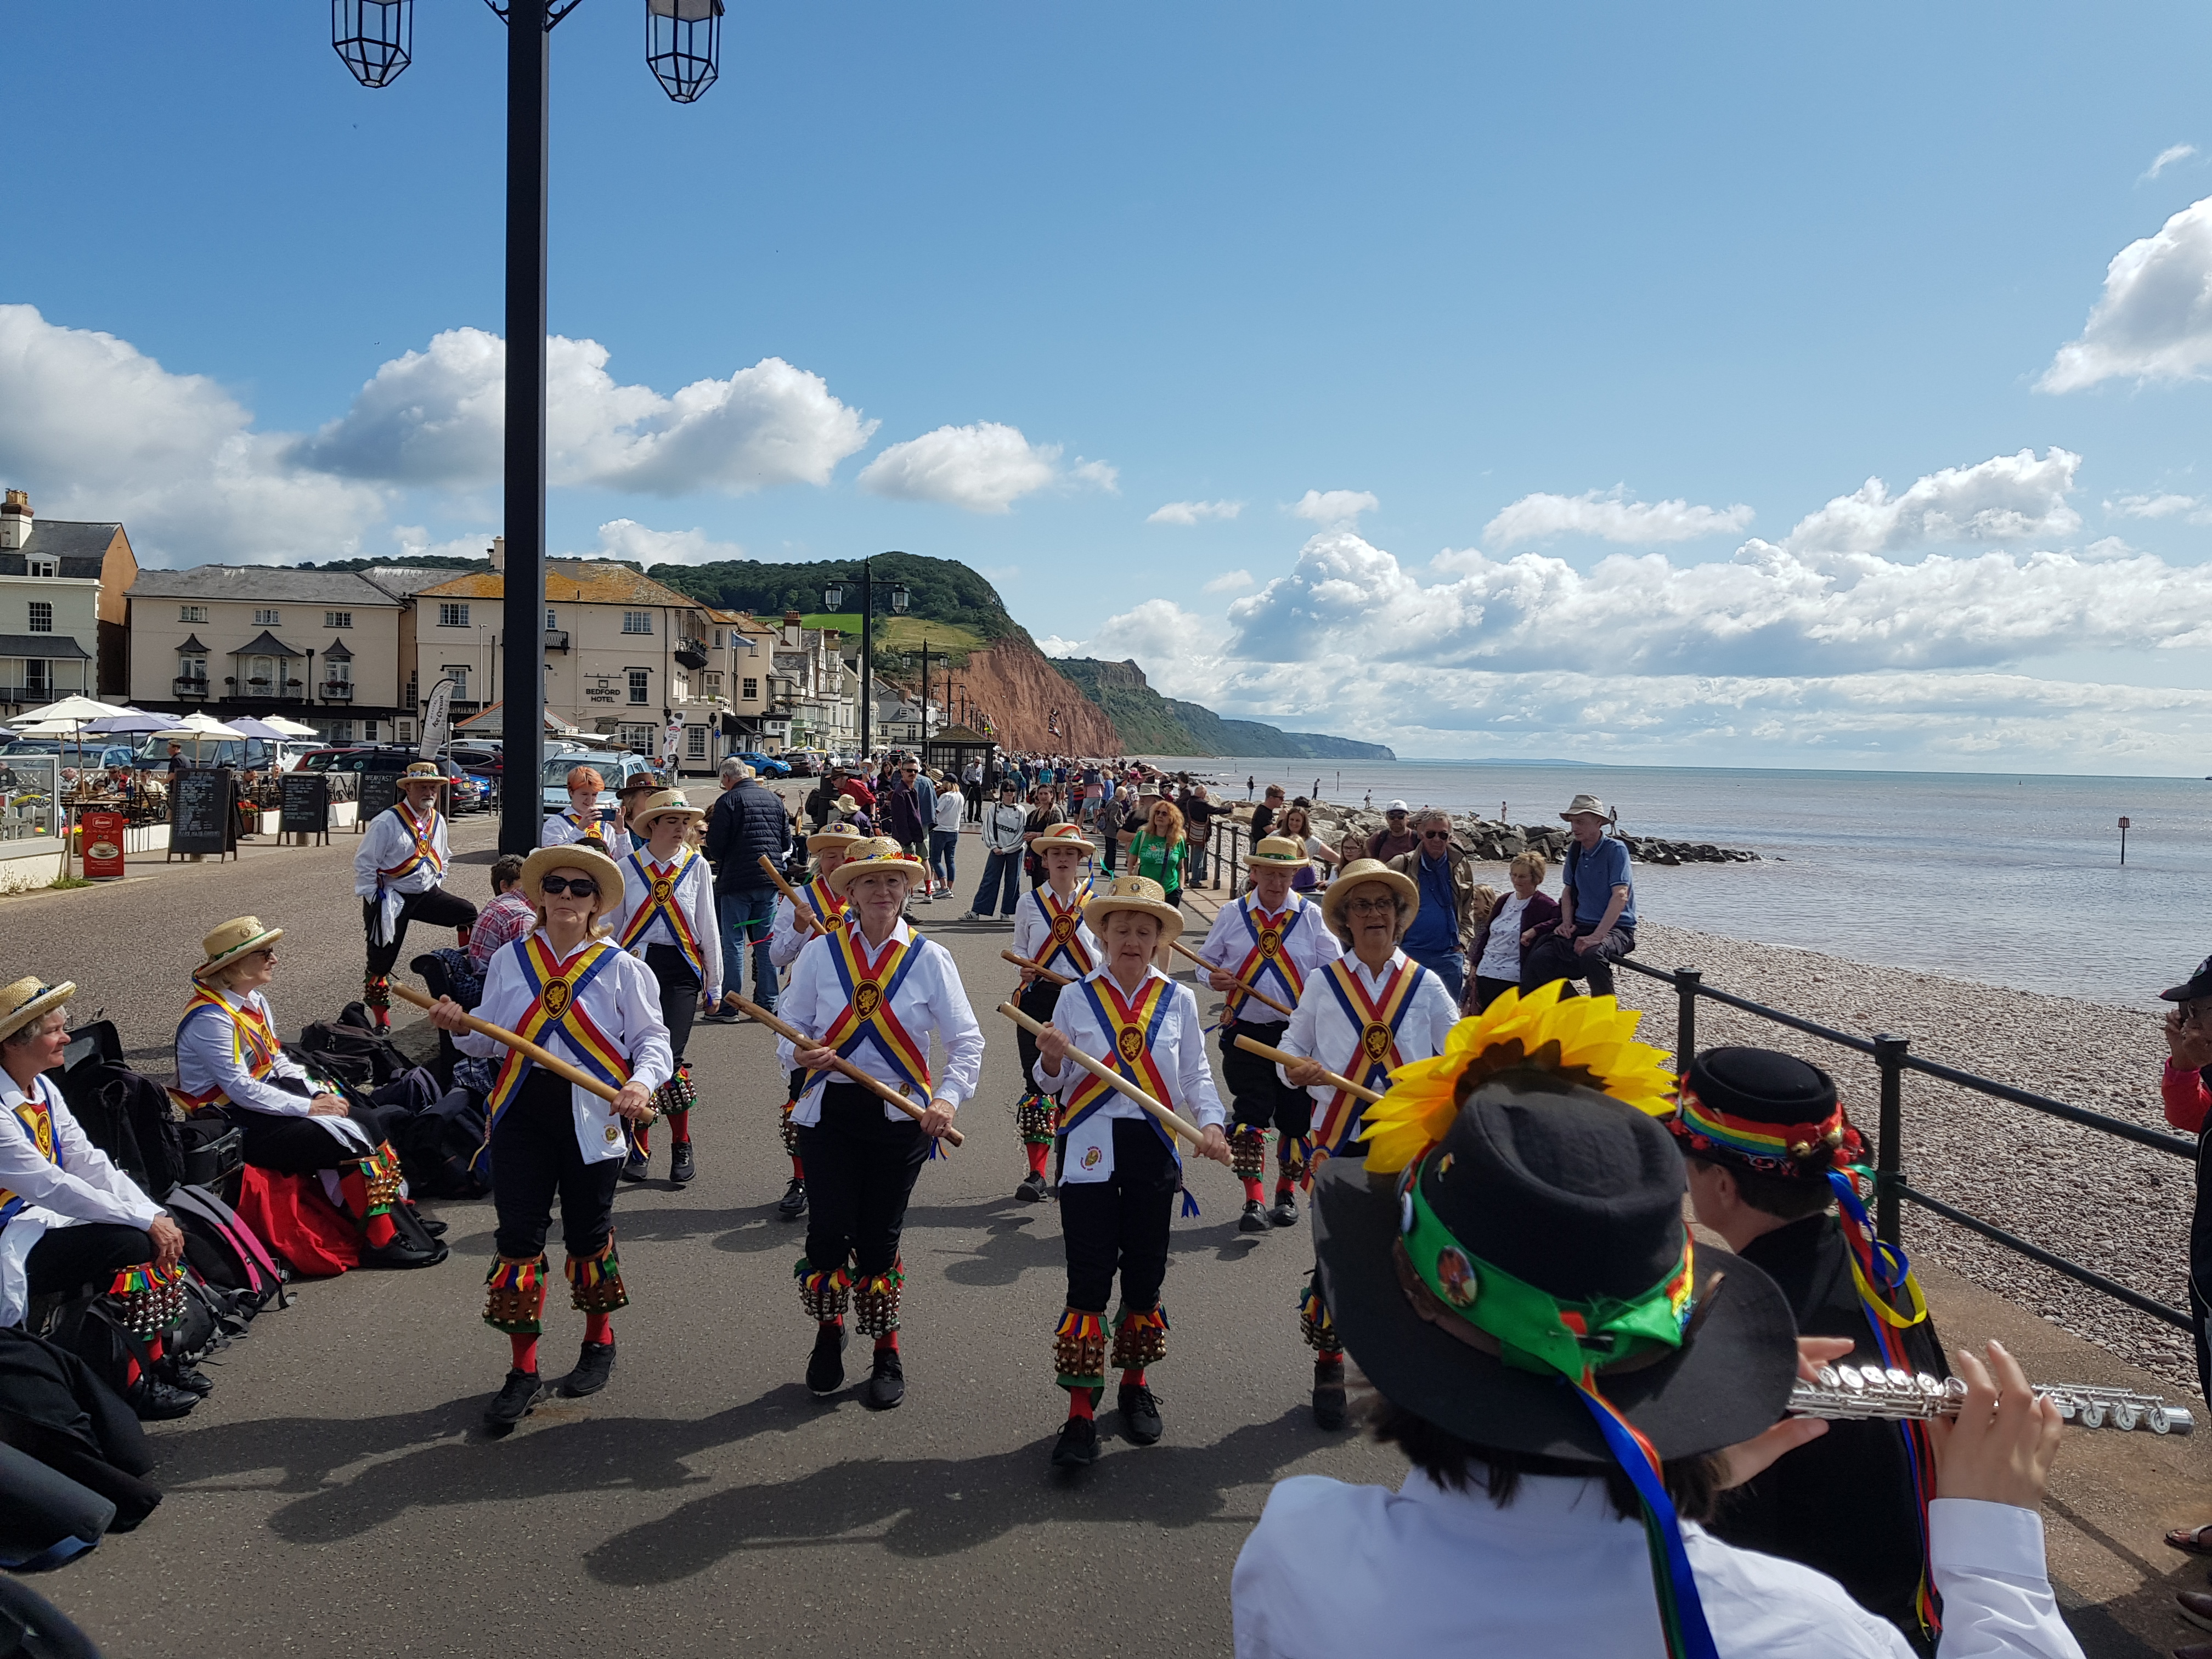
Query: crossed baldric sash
(660, 904)
(1067, 924)
(1133, 1026)
(555, 1019)
(867, 1016)
(1269, 935)
(256, 1049)
(422, 834)
(1378, 1019)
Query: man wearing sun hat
(1573, 1377)
(1275, 940)
(1048, 930)
(70, 1219)
(666, 920)
(1597, 905)
(399, 871)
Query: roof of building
(52, 648)
(570, 581)
(406, 579)
(265, 644)
(744, 619)
(65, 539)
(262, 584)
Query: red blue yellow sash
(1067, 924)
(34, 1117)
(867, 1016)
(829, 909)
(251, 1041)
(1133, 1026)
(556, 1013)
(1378, 1019)
(1269, 935)
(660, 903)
(423, 833)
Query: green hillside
(940, 590)
(1150, 723)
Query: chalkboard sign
(307, 803)
(377, 792)
(203, 812)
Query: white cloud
(2165, 505)
(2153, 320)
(984, 468)
(626, 538)
(1232, 581)
(1335, 507)
(1188, 512)
(2005, 498)
(437, 416)
(2166, 158)
(1053, 645)
(1179, 650)
(414, 543)
(1610, 517)
(96, 429)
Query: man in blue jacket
(748, 820)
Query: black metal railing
(1892, 1058)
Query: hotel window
(682, 686)
(718, 639)
(639, 738)
(453, 616)
(640, 685)
(34, 566)
(694, 743)
(713, 682)
(403, 731)
(267, 619)
(191, 613)
(337, 672)
(337, 619)
(42, 617)
(552, 624)
(192, 668)
(368, 731)
(752, 691)
(637, 621)
(460, 679)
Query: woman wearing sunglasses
(568, 988)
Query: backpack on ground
(436, 1148)
(225, 1252)
(123, 1113)
(351, 1053)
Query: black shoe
(1328, 1398)
(158, 1402)
(794, 1200)
(594, 1365)
(1286, 1212)
(887, 1387)
(428, 1223)
(401, 1253)
(1140, 1413)
(1078, 1444)
(192, 1380)
(1032, 1189)
(825, 1371)
(633, 1167)
(1254, 1220)
(515, 1400)
(680, 1166)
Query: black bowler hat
(2199, 984)
(1762, 1109)
(1546, 1184)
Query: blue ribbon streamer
(1664, 1532)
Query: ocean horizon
(2010, 879)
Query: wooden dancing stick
(522, 1045)
(1038, 968)
(1247, 988)
(839, 1064)
(1106, 1073)
(1283, 1057)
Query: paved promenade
(337, 1496)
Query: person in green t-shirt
(1158, 850)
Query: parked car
(481, 760)
(92, 757)
(240, 754)
(804, 763)
(615, 768)
(767, 765)
(467, 796)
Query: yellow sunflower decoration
(1586, 1040)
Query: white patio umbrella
(75, 709)
(291, 728)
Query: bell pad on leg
(595, 1282)
(514, 1295)
(1034, 1118)
(1314, 1322)
(1078, 1350)
(1248, 1151)
(148, 1299)
(876, 1301)
(789, 1129)
(824, 1293)
(1140, 1339)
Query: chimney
(498, 551)
(792, 625)
(15, 521)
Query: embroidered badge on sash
(867, 997)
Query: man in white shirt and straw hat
(399, 871)
(666, 920)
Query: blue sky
(1486, 266)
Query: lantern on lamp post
(833, 598)
(376, 38)
(683, 46)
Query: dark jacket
(1843, 1505)
(1463, 881)
(1543, 912)
(902, 812)
(747, 821)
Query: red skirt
(299, 1223)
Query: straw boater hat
(240, 937)
(576, 855)
(1137, 893)
(29, 999)
(1581, 803)
(664, 803)
(1062, 835)
(1356, 873)
(1277, 853)
(835, 837)
(874, 856)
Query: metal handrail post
(1687, 981)
(1889, 1145)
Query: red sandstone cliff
(1015, 685)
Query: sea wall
(1490, 839)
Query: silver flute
(1857, 1393)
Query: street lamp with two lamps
(833, 600)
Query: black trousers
(1553, 957)
(1038, 1003)
(289, 1145)
(1487, 991)
(679, 993)
(90, 1253)
(1257, 1092)
(1121, 1223)
(535, 1159)
(432, 904)
(860, 1167)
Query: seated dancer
(1361, 1016)
(1273, 939)
(1048, 930)
(70, 1219)
(666, 919)
(396, 872)
(572, 991)
(873, 992)
(1119, 1170)
(1573, 1379)
(584, 816)
(231, 1064)
(788, 930)
(1770, 1150)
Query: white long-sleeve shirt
(1334, 1569)
(215, 1057)
(930, 1000)
(51, 1175)
(1002, 827)
(1033, 934)
(691, 892)
(1321, 1030)
(622, 1001)
(388, 843)
(1178, 1050)
(786, 938)
(1305, 942)
(564, 826)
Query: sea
(2010, 880)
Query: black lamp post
(833, 598)
(683, 48)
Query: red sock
(1251, 1190)
(1134, 1379)
(680, 1128)
(1283, 1185)
(797, 1170)
(887, 1343)
(599, 1328)
(1036, 1150)
(525, 1350)
(154, 1349)
(1078, 1403)
(642, 1135)
(130, 1373)
(380, 1231)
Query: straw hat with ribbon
(666, 803)
(835, 838)
(875, 856)
(1277, 853)
(576, 855)
(1062, 835)
(240, 937)
(1359, 873)
(30, 999)
(423, 772)
(1137, 893)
